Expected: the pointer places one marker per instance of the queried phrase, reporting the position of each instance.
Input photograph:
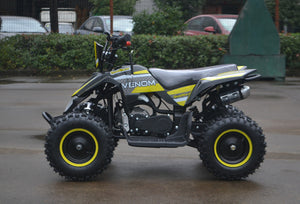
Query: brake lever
(108, 35)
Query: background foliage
(290, 46)
(47, 52)
(57, 52)
(289, 13)
(121, 7)
(189, 8)
(165, 21)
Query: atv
(155, 108)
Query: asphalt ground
(144, 175)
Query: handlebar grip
(107, 35)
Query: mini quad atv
(154, 108)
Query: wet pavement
(143, 175)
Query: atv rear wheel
(222, 111)
(78, 146)
(231, 146)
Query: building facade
(223, 6)
(33, 8)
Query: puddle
(39, 137)
(266, 96)
(287, 84)
(286, 156)
(22, 151)
(17, 80)
(10, 82)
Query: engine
(142, 123)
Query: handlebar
(118, 41)
(113, 43)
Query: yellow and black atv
(155, 108)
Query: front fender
(75, 100)
(88, 87)
(95, 81)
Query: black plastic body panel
(204, 85)
(96, 80)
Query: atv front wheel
(232, 146)
(78, 146)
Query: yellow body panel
(147, 89)
(96, 59)
(181, 103)
(182, 94)
(224, 76)
(81, 87)
(120, 70)
(240, 67)
(181, 90)
(142, 72)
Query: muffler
(235, 95)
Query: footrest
(146, 141)
(178, 139)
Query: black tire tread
(204, 149)
(227, 110)
(50, 140)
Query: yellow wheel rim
(246, 155)
(86, 133)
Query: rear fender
(208, 83)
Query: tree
(189, 8)
(289, 13)
(54, 16)
(121, 7)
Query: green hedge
(178, 52)
(290, 47)
(47, 53)
(165, 21)
(56, 52)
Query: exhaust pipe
(235, 95)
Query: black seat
(172, 79)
